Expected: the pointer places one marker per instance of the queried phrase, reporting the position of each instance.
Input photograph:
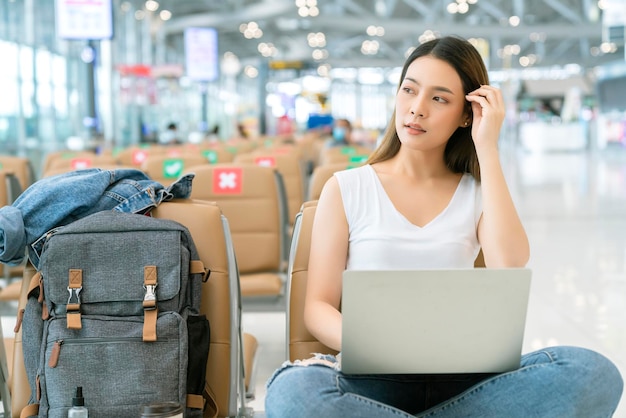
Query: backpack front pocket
(118, 371)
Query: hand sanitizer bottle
(78, 409)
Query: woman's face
(430, 104)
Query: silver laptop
(433, 321)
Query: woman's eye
(440, 99)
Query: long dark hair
(460, 153)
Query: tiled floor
(573, 205)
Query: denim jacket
(58, 200)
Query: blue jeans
(555, 382)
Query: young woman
(431, 196)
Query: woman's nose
(418, 107)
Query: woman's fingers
(485, 96)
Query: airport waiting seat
(300, 343)
(21, 167)
(289, 165)
(215, 153)
(134, 156)
(57, 171)
(166, 170)
(10, 189)
(352, 154)
(320, 176)
(53, 156)
(18, 380)
(251, 198)
(220, 303)
(69, 162)
(232, 353)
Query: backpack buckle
(74, 297)
(149, 298)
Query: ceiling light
(369, 47)
(319, 54)
(373, 30)
(323, 70)
(428, 35)
(230, 64)
(251, 71)
(514, 21)
(152, 5)
(251, 30)
(165, 15)
(307, 8)
(267, 49)
(460, 6)
(316, 40)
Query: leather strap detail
(34, 282)
(150, 275)
(45, 314)
(75, 286)
(74, 320)
(150, 311)
(76, 279)
(195, 401)
(211, 410)
(196, 267)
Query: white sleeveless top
(381, 238)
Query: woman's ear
(466, 120)
(468, 116)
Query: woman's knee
(296, 391)
(594, 371)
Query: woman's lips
(415, 128)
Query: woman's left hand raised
(488, 114)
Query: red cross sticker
(265, 161)
(80, 163)
(227, 180)
(139, 156)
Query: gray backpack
(114, 309)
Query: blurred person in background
(341, 134)
(170, 135)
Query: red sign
(138, 70)
(139, 156)
(228, 180)
(266, 161)
(80, 163)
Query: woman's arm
(500, 231)
(327, 261)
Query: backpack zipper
(55, 353)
